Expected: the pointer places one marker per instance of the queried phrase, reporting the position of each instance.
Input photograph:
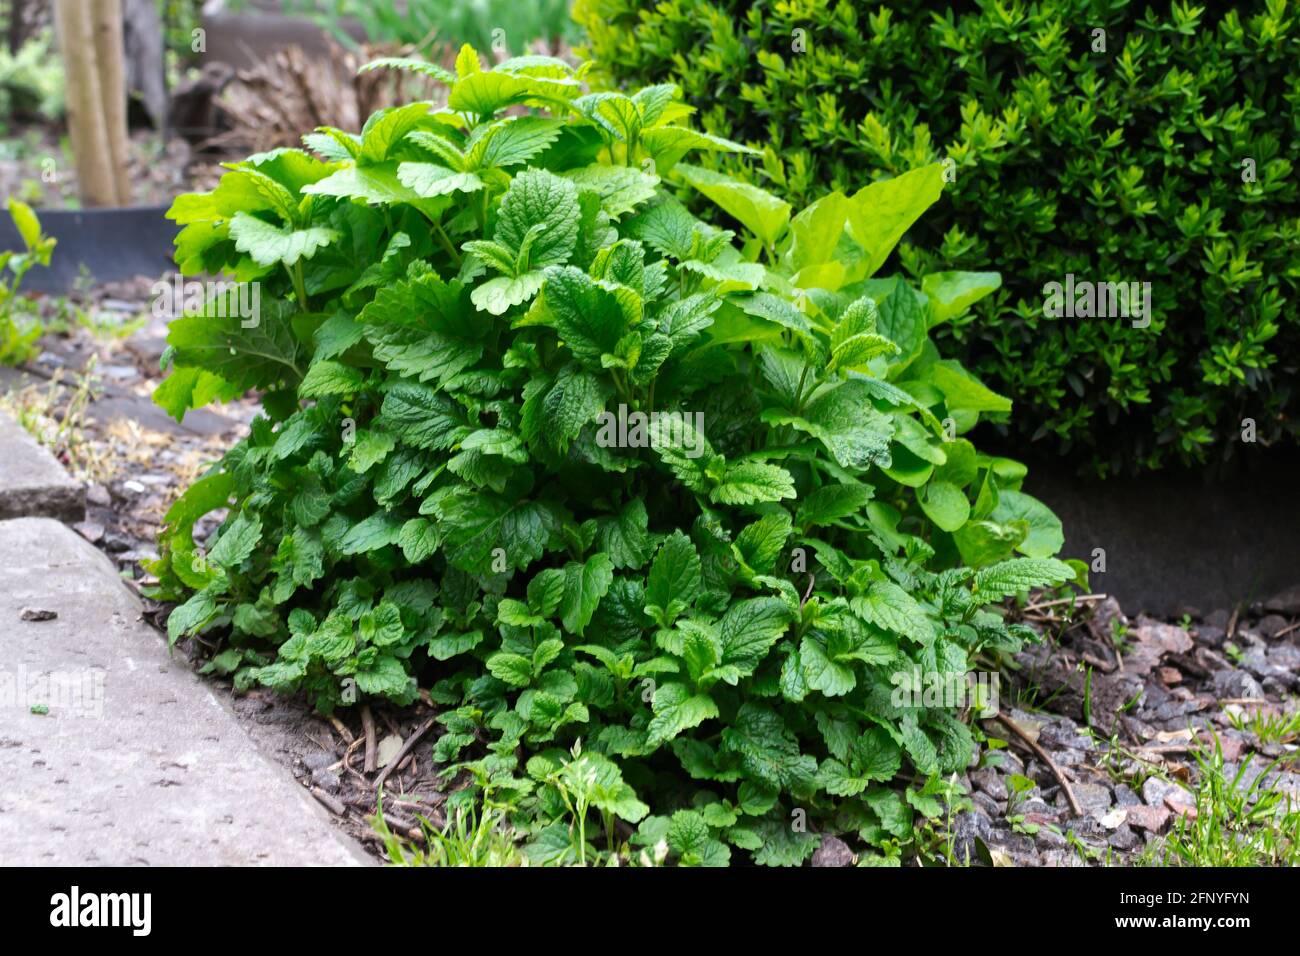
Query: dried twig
(1104, 666)
(341, 728)
(330, 803)
(372, 751)
(410, 742)
(1287, 630)
(1042, 755)
(1081, 599)
(346, 762)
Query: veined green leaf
(760, 212)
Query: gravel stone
(1152, 819)
(991, 783)
(832, 852)
(1092, 796)
(1235, 684)
(1124, 839)
(1125, 797)
(1155, 790)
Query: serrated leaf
(418, 539)
(889, 607)
(832, 502)
(674, 579)
(237, 541)
(749, 629)
(842, 417)
(513, 141)
(625, 537)
(269, 244)
(621, 188)
(428, 180)
(587, 316)
(479, 530)
(752, 482)
(584, 585)
(760, 543)
(537, 197)
(423, 417)
(330, 378)
(379, 530)
(677, 709)
(1018, 575)
(767, 749)
(388, 127)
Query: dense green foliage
(695, 621)
(31, 84)
(1126, 162)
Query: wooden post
(86, 125)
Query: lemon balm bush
(1112, 142)
(691, 629)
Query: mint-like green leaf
(889, 607)
(422, 417)
(584, 585)
(752, 482)
(946, 505)
(330, 378)
(537, 197)
(952, 293)
(832, 502)
(428, 180)
(379, 530)
(269, 245)
(625, 536)
(237, 541)
(677, 709)
(1045, 537)
(1018, 575)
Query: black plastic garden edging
(107, 245)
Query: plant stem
(299, 286)
(445, 240)
(798, 392)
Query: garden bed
(550, 490)
(1119, 705)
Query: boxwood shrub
(666, 521)
(1115, 142)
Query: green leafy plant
(1111, 142)
(473, 837)
(18, 334)
(660, 516)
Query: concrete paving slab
(32, 483)
(113, 753)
